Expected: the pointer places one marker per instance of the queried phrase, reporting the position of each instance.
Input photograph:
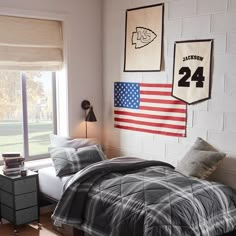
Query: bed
(129, 196)
(50, 185)
(135, 197)
(53, 179)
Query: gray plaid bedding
(134, 197)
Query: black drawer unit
(19, 198)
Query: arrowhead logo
(142, 37)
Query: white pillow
(60, 141)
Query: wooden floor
(32, 229)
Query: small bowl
(23, 172)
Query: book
(12, 158)
(12, 169)
(6, 166)
(11, 154)
(14, 161)
(8, 173)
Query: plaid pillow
(69, 160)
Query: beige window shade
(30, 44)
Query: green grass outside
(11, 138)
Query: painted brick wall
(213, 120)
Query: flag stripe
(177, 110)
(150, 112)
(135, 114)
(151, 100)
(153, 124)
(163, 129)
(149, 108)
(172, 122)
(161, 93)
(161, 105)
(150, 131)
(163, 89)
(156, 85)
(159, 97)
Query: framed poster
(192, 70)
(143, 38)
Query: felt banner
(148, 108)
(192, 70)
(143, 38)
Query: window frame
(25, 117)
(25, 130)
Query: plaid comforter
(134, 197)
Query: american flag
(149, 108)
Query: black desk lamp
(89, 116)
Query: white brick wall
(190, 119)
(214, 120)
(182, 8)
(231, 42)
(232, 5)
(202, 106)
(225, 141)
(224, 22)
(211, 6)
(223, 102)
(229, 122)
(196, 25)
(153, 147)
(211, 120)
(173, 27)
(230, 83)
(218, 84)
(192, 134)
(224, 63)
(174, 152)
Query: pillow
(59, 141)
(201, 160)
(68, 161)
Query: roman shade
(30, 44)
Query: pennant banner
(192, 70)
(148, 108)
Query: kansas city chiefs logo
(142, 37)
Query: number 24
(197, 76)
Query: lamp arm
(86, 125)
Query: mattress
(49, 184)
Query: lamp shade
(91, 116)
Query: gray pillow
(60, 141)
(68, 161)
(201, 160)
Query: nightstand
(19, 198)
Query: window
(27, 112)
(31, 50)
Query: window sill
(36, 164)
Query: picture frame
(144, 38)
(192, 70)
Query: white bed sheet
(50, 184)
